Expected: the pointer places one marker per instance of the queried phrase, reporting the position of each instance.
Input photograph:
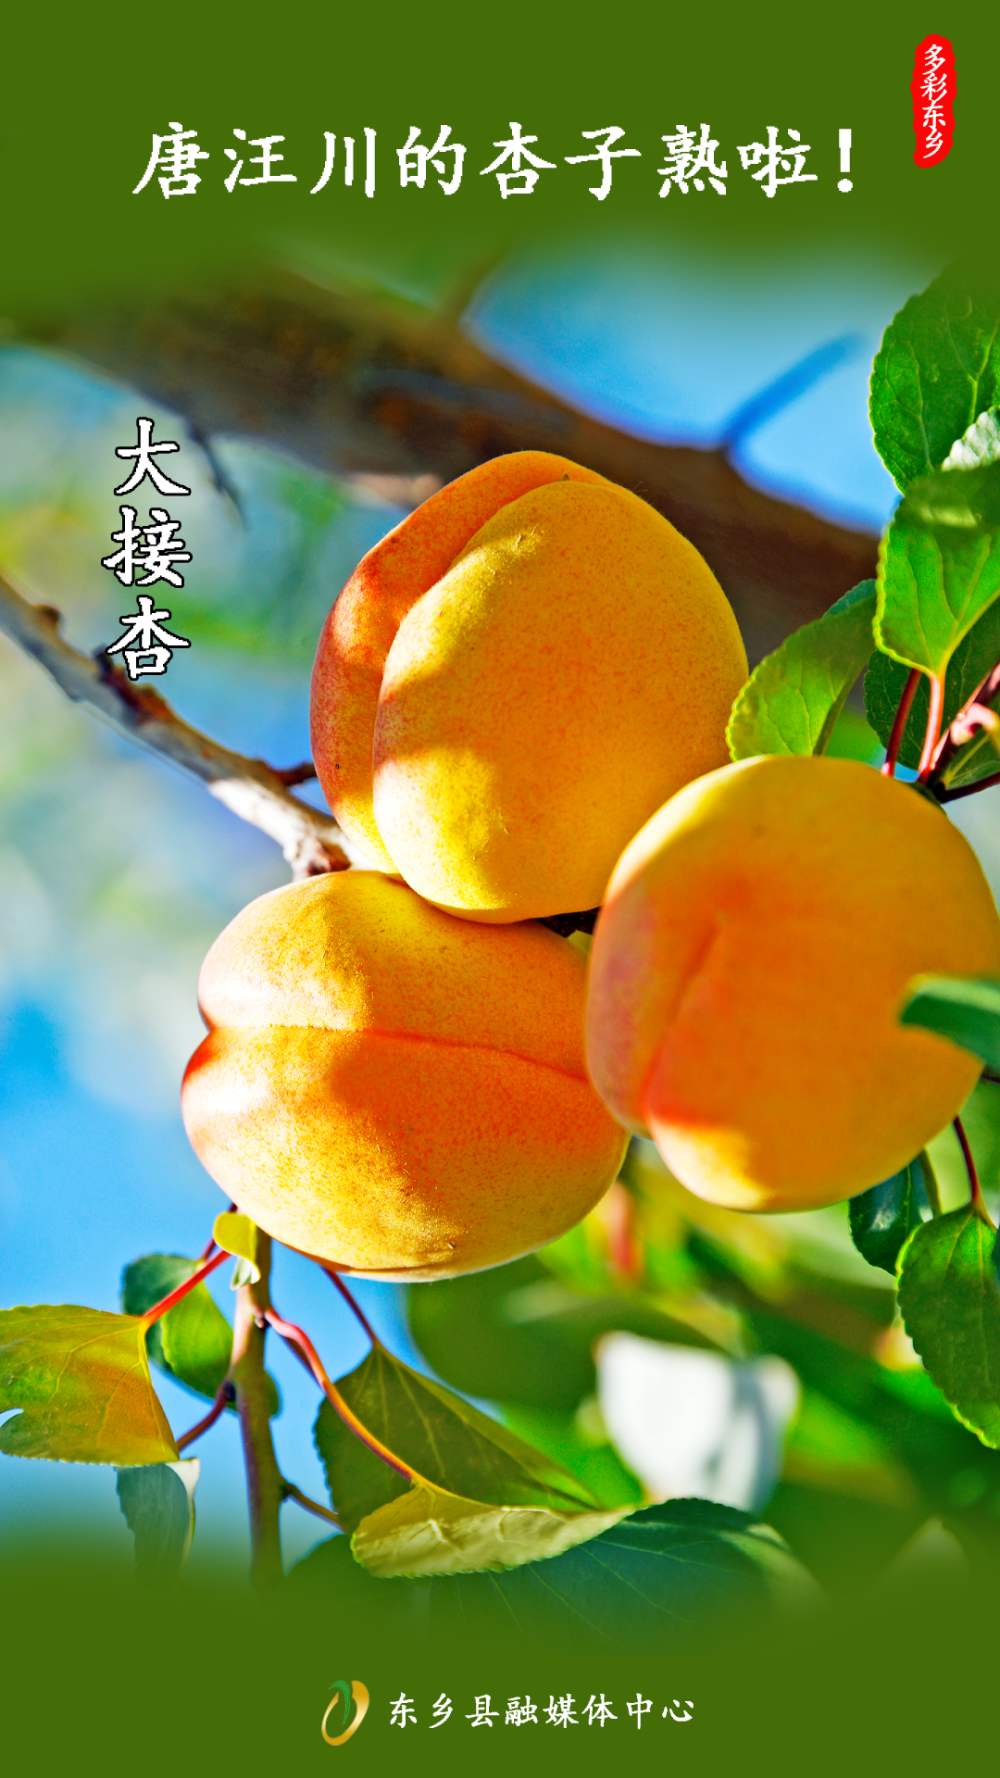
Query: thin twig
(310, 840)
(899, 725)
(294, 1337)
(311, 1506)
(225, 1395)
(174, 1296)
(336, 1279)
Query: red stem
(899, 725)
(224, 1395)
(975, 1192)
(175, 1296)
(934, 715)
(336, 1279)
(301, 1342)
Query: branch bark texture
(310, 840)
(399, 399)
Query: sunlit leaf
(444, 1439)
(883, 1218)
(81, 1379)
(158, 1503)
(950, 1301)
(639, 1587)
(939, 566)
(961, 1008)
(428, 1531)
(937, 369)
(794, 697)
(236, 1234)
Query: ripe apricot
(749, 966)
(392, 1090)
(512, 682)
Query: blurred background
(664, 1347)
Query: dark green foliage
(885, 682)
(160, 1515)
(950, 1301)
(965, 1011)
(883, 1218)
(643, 1586)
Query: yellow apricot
(514, 680)
(749, 967)
(393, 1091)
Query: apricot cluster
(519, 706)
(507, 688)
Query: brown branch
(399, 399)
(310, 840)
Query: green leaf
(158, 1504)
(885, 681)
(950, 1301)
(938, 367)
(429, 1531)
(939, 566)
(794, 697)
(449, 1443)
(960, 1008)
(81, 1379)
(236, 1234)
(197, 1342)
(883, 1218)
(639, 1587)
(193, 1341)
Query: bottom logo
(343, 1692)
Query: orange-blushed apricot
(748, 970)
(513, 681)
(393, 1091)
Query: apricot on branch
(513, 681)
(391, 1090)
(749, 966)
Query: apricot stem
(975, 1191)
(336, 1279)
(198, 1277)
(899, 724)
(300, 1342)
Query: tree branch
(397, 398)
(265, 1483)
(310, 840)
